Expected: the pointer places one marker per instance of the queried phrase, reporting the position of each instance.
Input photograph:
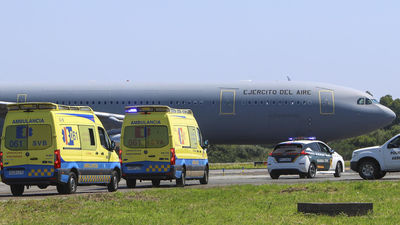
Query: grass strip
(245, 204)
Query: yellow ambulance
(48, 144)
(161, 143)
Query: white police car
(304, 157)
(373, 162)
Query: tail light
(270, 154)
(1, 160)
(120, 156)
(303, 152)
(173, 157)
(57, 159)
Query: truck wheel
(369, 170)
(113, 185)
(70, 187)
(17, 189)
(155, 183)
(338, 170)
(274, 175)
(181, 182)
(131, 183)
(204, 180)
(381, 174)
(312, 170)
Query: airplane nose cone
(388, 115)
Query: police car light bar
(131, 110)
(302, 138)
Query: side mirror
(112, 146)
(205, 144)
(331, 151)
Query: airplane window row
(194, 102)
(365, 101)
(278, 102)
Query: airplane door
(227, 102)
(327, 102)
(21, 98)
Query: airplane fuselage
(248, 113)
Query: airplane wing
(3, 108)
(112, 122)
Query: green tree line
(249, 153)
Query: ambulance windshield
(145, 136)
(28, 137)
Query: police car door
(327, 156)
(391, 154)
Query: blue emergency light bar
(302, 138)
(131, 110)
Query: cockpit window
(366, 101)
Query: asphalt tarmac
(218, 178)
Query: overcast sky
(349, 43)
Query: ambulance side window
(103, 138)
(87, 137)
(200, 137)
(193, 137)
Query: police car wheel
(338, 170)
(369, 170)
(155, 183)
(113, 185)
(381, 175)
(204, 180)
(131, 183)
(180, 182)
(312, 170)
(17, 189)
(70, 187)
(302, 175)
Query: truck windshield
(28, 137)
(145, 136)
(288, 148)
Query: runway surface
(217, 179)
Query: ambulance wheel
(338, 170)
(113, 185)
(155, 183)
(181, 182)
(204, 180)
(61, 188)
(312, 170)
(131, 183)
(17, 189)
(70, 187)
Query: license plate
(16, 172)
(134, 167)
(285, 160)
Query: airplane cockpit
(367, 101)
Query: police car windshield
(145, 136)
(28, 137)
(288, 148)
